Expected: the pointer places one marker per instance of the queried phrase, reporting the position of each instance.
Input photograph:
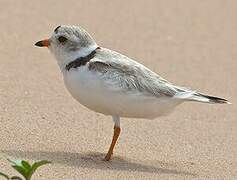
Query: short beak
(43, 43)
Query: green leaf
(25, 169)
(21, 166)
(15, 162)
(40, 163)
(4, 175)
(16, 178)
(26, 166)
(36, 165)
(21, 170)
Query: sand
(190, 43)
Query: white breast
(91, 91)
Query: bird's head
(68, 43)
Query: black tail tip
(218, 100)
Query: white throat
(64, 58)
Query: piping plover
(113, 84)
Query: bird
(113, 84)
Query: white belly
(87, 88)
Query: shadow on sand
(95, 161)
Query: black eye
(62, 39)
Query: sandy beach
(190, 43)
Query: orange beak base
(43, 43)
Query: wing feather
(129, 75)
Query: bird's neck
(64, 59)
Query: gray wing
(130, 75)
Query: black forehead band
(56, 30)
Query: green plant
(24, 168)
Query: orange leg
(115, 138)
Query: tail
(213, 99)
(194, 96)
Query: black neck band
(81, 61)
